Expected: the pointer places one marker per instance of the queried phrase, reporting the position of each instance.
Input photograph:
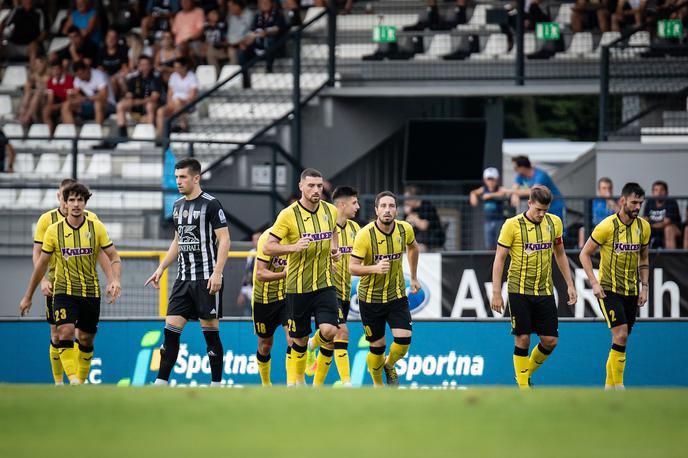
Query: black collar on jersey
(60, 212)
(387, 233)
(76, 228)
(621, 221)
(526, 217)
(344, 226)
(311, 212)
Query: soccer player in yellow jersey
(305, 232)
(269, 306)
(623, 239)
(75, 241)
(377, 258)
(530, 239)
(345, 199)
(45, 220)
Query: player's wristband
(644, 266)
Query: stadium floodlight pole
(75, 150)
(331, 42)
(296, 100)
(520, 60)
(604, 93)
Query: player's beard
(387, 219)
(314, 199)
(633, 214)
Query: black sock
(215, 352)
(169, 351)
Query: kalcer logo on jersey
(626, 247)
(69, 252)
(417, 301)
(318, 236)
(531, 247)
(279, 262)
(387, 257)
(346, 249)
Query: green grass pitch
(107, 421)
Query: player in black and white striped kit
(201, 243)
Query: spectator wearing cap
(24, 30)
(663, 216)
(601, 207)
(528, 176)
(494, 202)
(423, 216)
(91, 97)
(58, 85)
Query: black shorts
(321, 304)
(49, 310)
(267, 317)
(192, 300)
(84, 312)
(374, 315)
(344, 307)
(619, 309)
(533, 314)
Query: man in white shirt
(91, 97)
(182, 88)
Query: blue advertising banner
(449, 354)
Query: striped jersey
(45, 220)
(75, 250)
(372, 245)
(196, 221)
(620, 246)
(310, 269)
(272, 291)
(342, 276)
(531, 247)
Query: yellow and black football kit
(46, 219)
(268, 301)
(342, 276)
(620, 246)
(309, 286)
(75, 287)
(382, 297)
(531, 292)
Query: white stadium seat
(6, 107)
(312, 13)
(141, 132)
(8, 196)
(440, 45)
(497, 45)
(23, 164)
(564, 14)
(14, 130)
(529, 46)
(63, 131)
(30, 198)
(67, 165)
(100, 165)
(49, 165)
(581, 45)
(91, 135)
(14, 76)
(207, 76)
(36, 131)
(478, 21)
(226, 72)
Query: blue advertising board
(450, 354)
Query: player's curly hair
(76, 189)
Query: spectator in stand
(78, 49)
(601, 207)
(188, 27)
(137, 48)
(113, 59)
(267, 28)
(214, 39)
(244, 299)
(528, 176)
(628, 13)
(85, 18)
(6, 154)
(144, 88)
(158, 19)
(182, 88)
(432, 19)
(494, 205)
(422, 215)
(166, 56)
(663, 215)
(240, 20)
(34, 91)
(209, 5)
(292, 13)
(24, 31)
(590, 15)
(91, 97)
(59, 84)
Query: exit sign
(385, 34)
(670, 28)
(547, 31)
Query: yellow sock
(264, 368)
(56, 364)
(68, 359)
(324, 361)
(291, 378)
(375, 363)
(609, 380)
(397, 350)
(537, 357)
(83, 367)
(341, 360)
(298, 355)
(521, 364)
(618, 358)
